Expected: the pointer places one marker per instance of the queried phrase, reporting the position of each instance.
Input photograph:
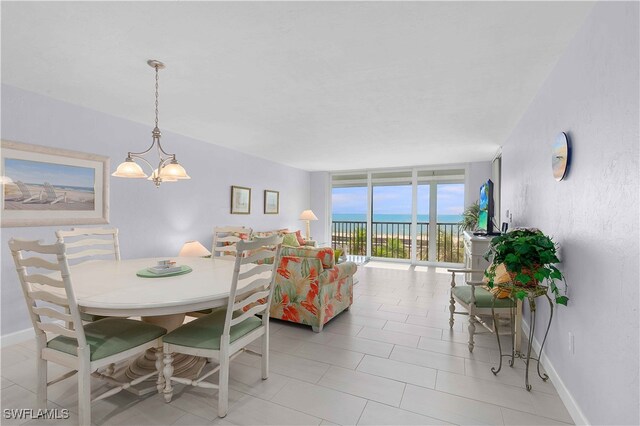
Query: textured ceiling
(317, 85)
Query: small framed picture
(271, 202)
(240, 200)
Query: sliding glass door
(350, 211)
(406, 215)
(391, 225)
(450, 205)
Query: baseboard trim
(16, 337)
(572, 406)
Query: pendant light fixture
(168, 169)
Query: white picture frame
(43, 186)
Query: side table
(532, 294)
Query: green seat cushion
(484, 299)
(205, 332)
(91, 317)
(109, 336)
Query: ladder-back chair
(82, 348)
(90, 243)
(224, 334)
(86, 244)
(225, 239)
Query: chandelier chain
(157, 78)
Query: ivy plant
(528, 254)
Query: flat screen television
(485, 217)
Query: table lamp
(308, 216)
(194, 249)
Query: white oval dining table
(112, 288)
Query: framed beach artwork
(271, 202)
(47, 186)
(240, 200)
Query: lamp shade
(173, 171)
(154, 175)
(194, 249)
(308, 215)
(129, 169)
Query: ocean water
(404, 218)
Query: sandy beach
(74, 199)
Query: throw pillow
(290, 240)
(301, 240)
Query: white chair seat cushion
(205, 332)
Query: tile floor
(391, 359)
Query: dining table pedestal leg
(186, 366)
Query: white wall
(593, 95)
(152, 222)
(320, 197)
(477, 174)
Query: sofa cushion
(299, 237)
(323, 254)
(290, 240)
(272, 232)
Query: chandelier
(168, 169)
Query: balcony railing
(393, 240)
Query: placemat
(144, 273)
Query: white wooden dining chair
(82, 348)
(88, 244)
(225, 333)
(478, 303)
(225, 239)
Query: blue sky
(397, 199)
(56, 174)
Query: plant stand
(532, 294)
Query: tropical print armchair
(310, 288)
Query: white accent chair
(478, 303)
(51, 196)
(224, 334)
(26, 197)
(225, 240)
(82, 348)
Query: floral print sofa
(310, 287)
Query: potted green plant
(528, 256)
(470, 215)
